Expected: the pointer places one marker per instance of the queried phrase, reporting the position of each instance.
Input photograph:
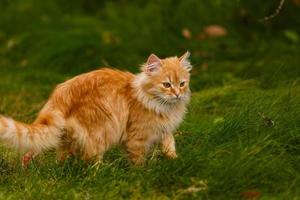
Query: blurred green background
(73, 37)
(241, 137)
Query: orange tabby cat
(92, 112)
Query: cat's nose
(177, 95)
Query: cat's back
(96, 80)
(91, 88)
(99, 78)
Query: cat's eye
(166, 84)
(182, 84)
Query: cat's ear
(185, 61)
(153, 64)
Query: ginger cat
(92, 112)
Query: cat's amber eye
(166, 84)
(182, 84)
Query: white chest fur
(169, 121)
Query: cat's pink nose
(176, 92)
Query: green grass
(242, 130)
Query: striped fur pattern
(92, 112)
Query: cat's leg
(63, 154)
(28, 157)
(94, 160)
(168, 146)
(94, 152)
(136, 149)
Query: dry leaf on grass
(296, 2)
(215, 31)
(186, 33)
(11, 43)
(251, 195)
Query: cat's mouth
(175, 99)
(169, 100)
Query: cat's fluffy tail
(37, 137)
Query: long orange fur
(92, 112)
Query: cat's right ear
(152, 65)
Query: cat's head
(166, 80)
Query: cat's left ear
(185, 61)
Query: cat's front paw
(171, 154)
